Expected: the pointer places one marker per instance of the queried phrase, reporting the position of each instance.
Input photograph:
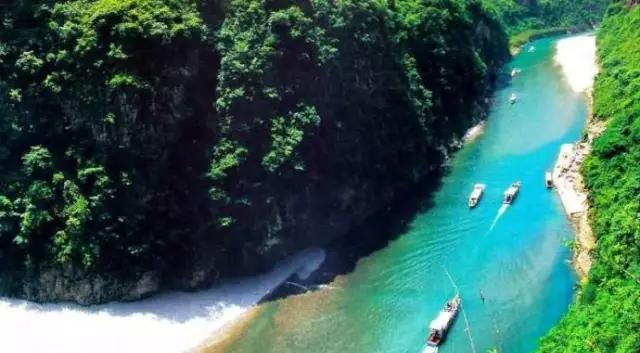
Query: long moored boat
(476, 195)
(441, 324)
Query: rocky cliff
(167, 144)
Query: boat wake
(501, 211)
(430, 349)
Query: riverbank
(223, 338)
(519, 40)
(167, 323)
(386, 301)
(577, 59)
(474, 132)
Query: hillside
(521, 16)
(168, 143)
(531, 19)
(605, 318)
(150, 144)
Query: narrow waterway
(518, 258)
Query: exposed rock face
(336, 111)
(370, 147)
(54, 285)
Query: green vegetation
(190, 138)
(605, 318)
(528, 20)
(520, 16)
(89, 119)
(199, 139)
(522, 38)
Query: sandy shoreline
(167, 323)
(569, 183)
(474, 132)
(577, 59)
(224, 337)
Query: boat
(440, 325)
(532, 49)
(548, 180)
(513, 98)
(476, 195)
(511, 193)
(514, 73)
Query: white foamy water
(167, 323)
(501, 212)
(577, 57)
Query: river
(518, 256)
(384, 305)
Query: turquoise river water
(521, 264)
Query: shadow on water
(378, 230)
(503, 80)
(371, 235)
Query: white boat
(513, 98)
(511, 193)
(514, 73)
(476, 195)
(440, 325)
(548, 180)
(532, 49)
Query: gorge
(227, 148)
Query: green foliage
(525, 36)
(88, 118)
(419, 96)
(529, 20)
(406, 77)
(167, 135)
(286, 135)
(606, 318)
(77, 213)
(37, 160)
(525, 16)
(227, 155)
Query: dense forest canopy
(606, 318)
(179, 141)
(519, 16)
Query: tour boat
(476, 195)
(514, 72)
(511, 193)
(440, 325)
(548, 180)
(513, 98)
